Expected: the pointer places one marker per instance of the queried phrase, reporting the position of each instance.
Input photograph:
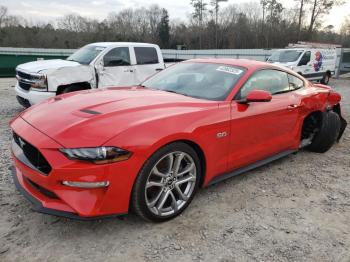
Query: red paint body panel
(142, 121)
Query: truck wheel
(325, 79)
(327, 134)
(72, 88)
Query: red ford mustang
(149, 148)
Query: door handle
(294, 106)
(159, 69)
(129, 70)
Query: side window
(305, 59)
(146, 55)
(273, 81)
(295, 82)
(119, 56)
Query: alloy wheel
(171, 183)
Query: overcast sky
(45, 10)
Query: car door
(148, 62)
(305, 66)
(262, 129)
(116, 69)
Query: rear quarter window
(146, 55)
(295, 82)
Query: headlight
(39, 82)
(97, 155)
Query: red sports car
(148, 148)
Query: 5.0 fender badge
(221, 134)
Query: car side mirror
(256, 96)
(99, 66)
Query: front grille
(23, 85)
(33, 155)
(23, 75)
(42, 190)
(25, 80)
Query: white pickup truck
(97, 65)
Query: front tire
(70, 89)
(166, 183)
(327, 133)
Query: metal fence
(11, 57)
(254, 54)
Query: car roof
(246, 63)
(110, 44)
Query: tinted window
(295, 82)
(273, 81)
(305, 59)
(119, 56)
(199, 80)
(146, 55)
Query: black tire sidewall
(325, 79)
(69, 89)
(138, 201)
(327, 134)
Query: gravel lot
(295, 209)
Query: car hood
(90, 118)
(40, 65)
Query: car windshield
(86, 54)
(198, 80)
(285, 56)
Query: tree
(320, 8)
(215, 3)
(301, 14)
(275, 10)
(199, 8)
(164, 29)
(239, 25)
(263, 4)
(3, 13)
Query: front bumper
(38, 207)
(50, 196)
(31, 97)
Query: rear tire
(325, 79)
(156, 196)
(327, 134)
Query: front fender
(200, 128)
(69, 75)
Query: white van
(316, 64)
(97, 65)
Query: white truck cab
(97, 65)
(316, 64)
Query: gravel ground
(295, 209)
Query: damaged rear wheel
(323, 130)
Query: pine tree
(164, 29)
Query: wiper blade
(73, 60)
(164, 90)
(281, 92)
(172, 91)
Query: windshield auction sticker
(230, 70)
